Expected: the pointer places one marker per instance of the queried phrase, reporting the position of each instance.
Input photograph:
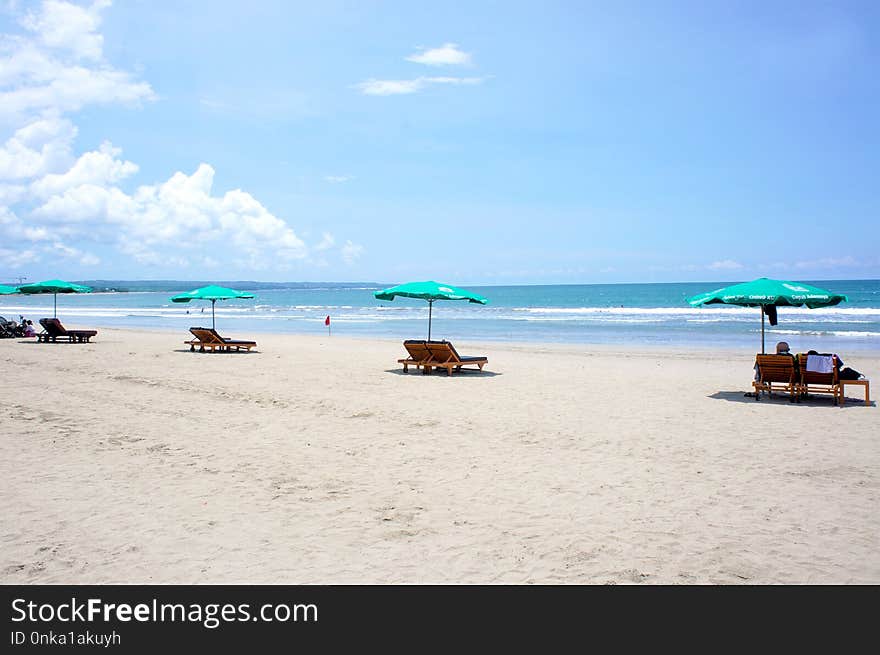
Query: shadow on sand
(221, 352)
(27, 341)
(467, 372)
(783, 399)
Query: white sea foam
(864, 316)
(837, 333)
(692, 311)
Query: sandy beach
(316, 460)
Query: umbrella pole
(213, 323)
(55, 305)
(430, 307)
(762, 328)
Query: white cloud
(58, 249)
(11, 194)
(40, 147)
(327, 241)
(182, 209)
(210, 103)
(15, 258)
(337, 179)
(845, 261)
(351, 252)
(70, 27)
(144, 255)
(828, 262)
(256, 103)
(99, 167)
(373, 87)
(52, 198)
(454, 80)
(446, 55)
(725, 265)
(12, 228)
(39, 240)
(61, 68)
(70, 88)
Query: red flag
(327, 321)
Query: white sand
(315, 460)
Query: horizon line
(473, 284)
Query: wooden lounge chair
(418, 354)
(813, 382)
(444, 355)
(208, 338)
(777, 373)
(53, 331)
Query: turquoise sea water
(647, 314)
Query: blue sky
(473, 142)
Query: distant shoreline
(131, 286)
(678, 350)
(655, 314)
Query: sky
(470, 142)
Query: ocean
(633, 314)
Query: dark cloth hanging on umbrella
(770, 311)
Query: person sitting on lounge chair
(843, 372)
(782, 348)
(836, 357)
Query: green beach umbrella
(4, 290)
(213, 293)
(429, 291)
(766, 294)
(54, 287)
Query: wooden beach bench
(814, 382)
(53, 331)
(208, 338)
(444, 355)
(778, 370)
(418, 354)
